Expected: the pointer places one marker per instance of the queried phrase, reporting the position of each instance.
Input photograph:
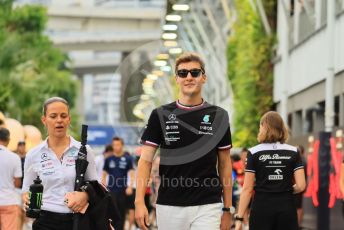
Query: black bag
(102, 213)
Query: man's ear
(204, 77)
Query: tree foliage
(249, 55)
(31, 69)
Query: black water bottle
(35, 197)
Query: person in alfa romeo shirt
(194, 140)
(275, 171)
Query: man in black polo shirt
(195, 168)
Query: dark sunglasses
(183, 73)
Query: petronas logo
(206, 118)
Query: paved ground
(310, 217)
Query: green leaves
(250, 70)
(31, 69)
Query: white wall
(308, 61)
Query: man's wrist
(230, 209)
(238, 218)
(139, 202)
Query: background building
(309, 80)
(302, 64)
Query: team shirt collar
(185, 107)
(73, 143)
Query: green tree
(31, 69)
(249, 53)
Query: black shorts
(130, 200)
(53, 221)
(270, 211)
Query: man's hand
(141, 215)
(76, 201)
(226, 220)
(238, 225)
(129, 191)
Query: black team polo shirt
(189, 139)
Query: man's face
(21, 148)
(190, 85)
(117, 146)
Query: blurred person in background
(118, 168)
(271, 170)
(237, 170)
(21, 151)
(155, 179)
(239, 166)
(130, 198)
(100, 160)
(341, 184)
(298, 198)
(10, 178)
(54, 162)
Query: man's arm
(225, 173)
(131, 176)
(142, 178)
(17, 182)
(104, 176)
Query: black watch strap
(236, 217)
(226, 209)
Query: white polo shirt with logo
(10, 168)
(58, 177)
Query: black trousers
(53, 221)
(271, 211)
(120, 199)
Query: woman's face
(56, 119)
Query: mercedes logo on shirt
(172, 117)
(44, 156)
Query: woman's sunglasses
(183, 73)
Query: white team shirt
(10, 168)
(58, 177)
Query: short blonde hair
(189, 57)
(274, 129)
(52, 100)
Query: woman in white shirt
(54, 162)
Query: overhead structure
(202, 26)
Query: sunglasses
(183, 73)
